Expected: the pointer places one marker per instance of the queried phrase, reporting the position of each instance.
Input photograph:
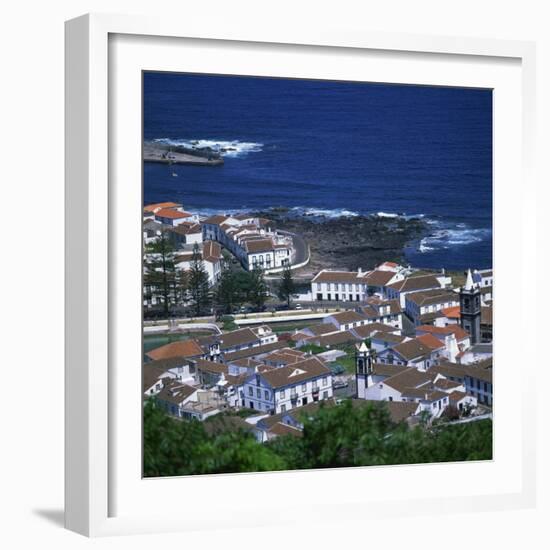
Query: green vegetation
(312, 348)
(337, 436)
(198, 284)
(237, 287)
(286, 287)
(229, 323)
(160, 280)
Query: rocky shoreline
(350, 242)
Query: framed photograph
(286, 259)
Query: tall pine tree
(198, 284)
(160, 272)
(258, 292)
(286, 287)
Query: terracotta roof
(430, 341)
(150, 376)
(459, 332)
(336, 338)
(176, 393)
(388, 337)
(336, 277)
(216, 219)
(183, 348)
(160, 206)
(446, 384)
(345, 317)
(416, 283)
(172, 214)
(378, 277)
(452, 312)
(211, 366)
(186, 229)
(364, 331)
(412, 349)
(237, 337)
(211, 251)
(169, 363)
(253, 352)
(409, 378)
(430, 297)
(383, 369)
(258, 245)
(312, 367)
(479, 371)
(456, 396)
(446, 368)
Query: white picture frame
(92, 398)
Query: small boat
(174, 175)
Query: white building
(251, 240)
(277, 390)
(420, 283)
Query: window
(325, 380)
(250, 390)
(282, 394)
(283, 408)
(258, 393)
(325, 395)
(329, 297)
(304, 387)
(266, 395)
(319, 297)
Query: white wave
(399, 215)
(387, 215)
(234, 148)
(324, 212)
(459, 235)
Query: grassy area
(288, 327)
(152, 341)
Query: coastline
(349, 242)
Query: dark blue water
(339, 148)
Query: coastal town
(238, 327)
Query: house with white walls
(186, 233)
(416, 283)
(210, 255)
(252, 240)
(174, 216)
(424, 307)
(276, 390)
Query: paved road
(300, 246)
(183, 326)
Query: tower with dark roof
(470, 308)
(364, 359)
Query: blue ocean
(332, 149)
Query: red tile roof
(459, 332)
(431, 341)
(172, 214)
(160, 205)
(184, 348)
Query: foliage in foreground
(336, 436)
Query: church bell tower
(364, 359)
(470, 309)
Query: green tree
(258, 292)
(228, 294)
(198, 283)
(286, 287)
(160, 273)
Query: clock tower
(470, 309)
(364, 359)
